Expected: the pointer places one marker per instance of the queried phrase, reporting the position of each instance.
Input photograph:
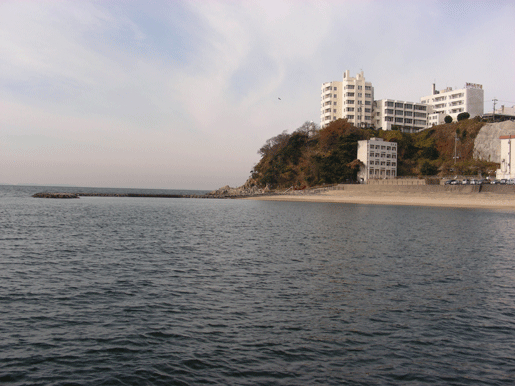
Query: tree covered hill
(309, 157)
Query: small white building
(507, 169)
(469, 99)
(409, 117)
(379, 159)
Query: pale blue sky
(182, 94)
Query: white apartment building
(331, 102)
(409, 117)
(379, 159)
(351, 99)
(469, 99)
(507, 169)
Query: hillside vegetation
(312, 157)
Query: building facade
(331, 102)
(409, 117)
(469, 99)
(507, 169)
(379, 159)
(351, 99)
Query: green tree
(448, 119)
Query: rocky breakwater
(249, 189)
(56, 195)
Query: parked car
(495, 182)
(484, 182)
(503, 181)
(511, 181)
(465, 182)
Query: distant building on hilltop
(469, 99)
(351, 99)
(409, 117)
(379, 159)
(502, 114)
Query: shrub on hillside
(428, 169)
(448, 119)
(463, 116)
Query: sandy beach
(415, 196)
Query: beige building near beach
(379, 159)
(507, 170)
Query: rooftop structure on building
(409, 117)
(352, 99)
(469, 99)
(379, 159)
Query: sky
(182, 94)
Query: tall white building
(379, 159)
(331, 102)
(351, 99)
(409, 117)
(469, 99)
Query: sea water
(163, 291)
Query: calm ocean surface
(157, 291)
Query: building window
(398, 112)
(350, 87)
(398, 120)
(368, 103)
(368, 110)
(368, 88)
(368, 95)
(350, 101)
(350, 108)
(399, 105)
(389, 104)
(360, 87)
(334, 111)
(350, 94)
(360, 95)
(334, 103)
(408, 106)
(335, 89)
(335, 95)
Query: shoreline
(368, 195)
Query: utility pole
(493, 114)
(455, 146)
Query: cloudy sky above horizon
(182, 94)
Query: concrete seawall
(459, 189)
